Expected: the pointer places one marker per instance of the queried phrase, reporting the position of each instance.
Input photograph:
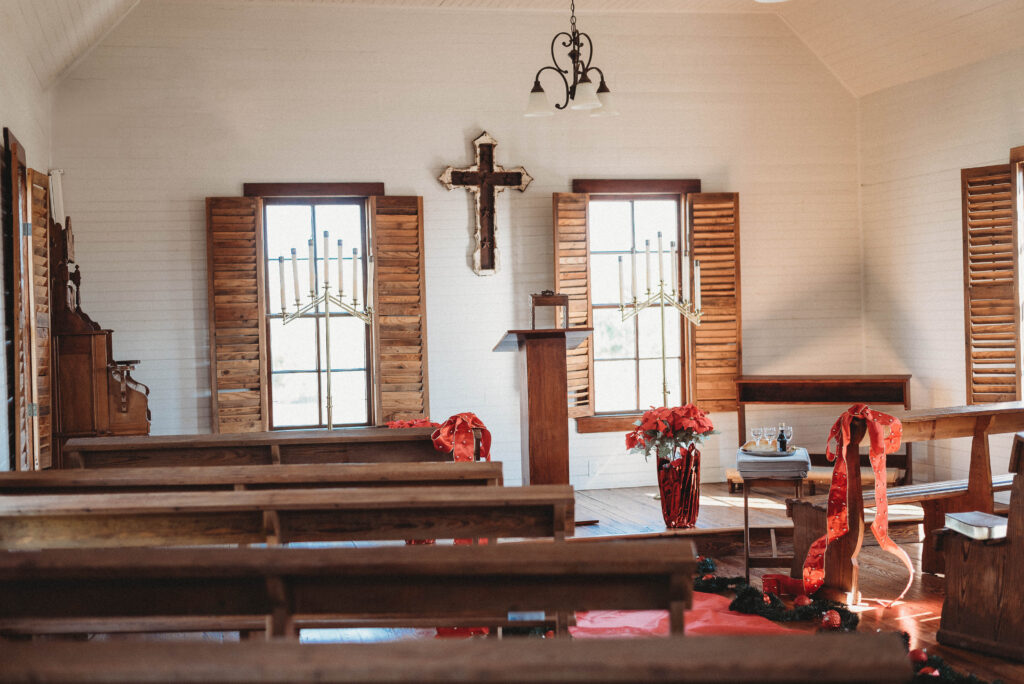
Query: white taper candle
(647, 249)
(312, 268)
(355, 275)
(327, 262)
(280, 264)
(661, 267)
(622, 283)
(341, 271)
(674, 256)
(632, 255)
(696, 285)
(295, 274)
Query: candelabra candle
(280, 265)
(355, 276)
(312, 269)
(674, 256)
(295, 277)
(341, 271)
(684, 277)
(647, 249)
(327, 263)
(661, 267)
(696, 285)
(622, 284)
(632, 256)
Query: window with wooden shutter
(41, 343)
(236, 310)
(572, 277)
(713, 222)
(400, 314)
(991, 306)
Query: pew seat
(283, 516)
(213, 478)
(286, 585)
(768, 659)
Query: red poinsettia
(663, 429)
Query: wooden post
(841, 575)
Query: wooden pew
(936, 498)
(350, 445)
(282, 516)
(284, 586)
(767, 659)
(985, 588)
(214, 478)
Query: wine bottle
(783, 446)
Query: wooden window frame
(634, 189)
(317, 200)
(270, 190)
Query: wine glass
(787, 432)
(770, 433)
(755, 435)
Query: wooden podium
(543, 403)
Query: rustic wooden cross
(485, 180)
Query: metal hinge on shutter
(33, 410)
(26, 229)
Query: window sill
(620, 422)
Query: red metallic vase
(679, 483)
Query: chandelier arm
(554, 60)
(590, 68)
(565, 82)
(590, 50)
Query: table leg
(746, 531)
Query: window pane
(650, 332)
(653, 216)
(650, 383)
(614, 386)
(604, 278)
(289, 226)
(348, 396)
(295, 399)
(344, 222)
(613, 338)
(348, 343)
(610, 226)
(292, 345)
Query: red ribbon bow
(838, 513)
(456, 436)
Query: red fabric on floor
(710, 615)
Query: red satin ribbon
(838, 515)
(456, 436)
(415, 423)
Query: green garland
(947, 675)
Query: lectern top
(574, 337)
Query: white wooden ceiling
(868, 44)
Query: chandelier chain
(572, 17)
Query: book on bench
(977, 525)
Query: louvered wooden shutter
(713, 222)
(238, 363)
(991, 314)
(572, 277)
(400, 308)
(40, 245)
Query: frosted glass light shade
(538, 105)
(586, 96)
(607, 104)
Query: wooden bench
(282, 516)
(819, 476)
(936, 499)
(766, 659)
(985, 588)
(214, 478)
(350, 445)
(285, 586)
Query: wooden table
(351, 445)
(230, 478)
(774, 560)
(397, 583)
(826, 389)
(284, 515)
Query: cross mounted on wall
(485, 180)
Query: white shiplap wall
(187, 99)
(915, 139)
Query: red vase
(679, 483)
